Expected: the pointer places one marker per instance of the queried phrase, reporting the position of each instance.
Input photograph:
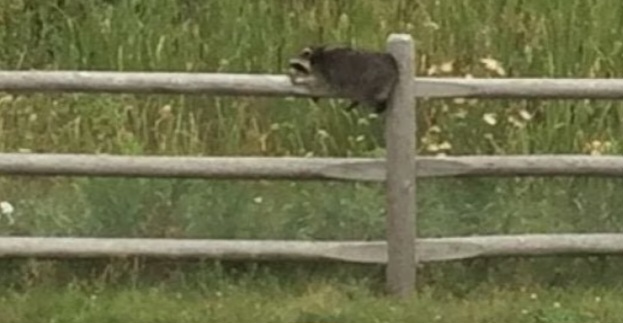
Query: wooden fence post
(400, 183)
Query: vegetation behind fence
(531, 38)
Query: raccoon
(364, 77)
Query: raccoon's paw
(353, 105)
(298, 79)
(380, 107)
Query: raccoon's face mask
(308, 56)
(302, 63)
(300, 66)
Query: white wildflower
(7, 209)
(447, 67)
(490, 118)
(445, 146)
(493, 65)
(323, 133)
(526, 115)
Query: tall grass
(529, 38)
(517, 38)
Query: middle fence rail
(301, 168)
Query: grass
(318, 302)
(515, 38)
(124, 290)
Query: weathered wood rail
(368, 252)
(398, 170)
(300, 168)
(270, 85)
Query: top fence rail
(279, 85)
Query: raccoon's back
(359, 73)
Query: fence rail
(371, 252)
(300, 168)
(272, 85)
(402, 250)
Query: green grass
(123, 290)
(528, 38)
(318, 302)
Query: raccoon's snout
(300, 66)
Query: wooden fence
(398, 170)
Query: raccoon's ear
(307, 51)
(311, 50)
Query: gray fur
(362, 76)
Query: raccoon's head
(301, 64)
(312, 56)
